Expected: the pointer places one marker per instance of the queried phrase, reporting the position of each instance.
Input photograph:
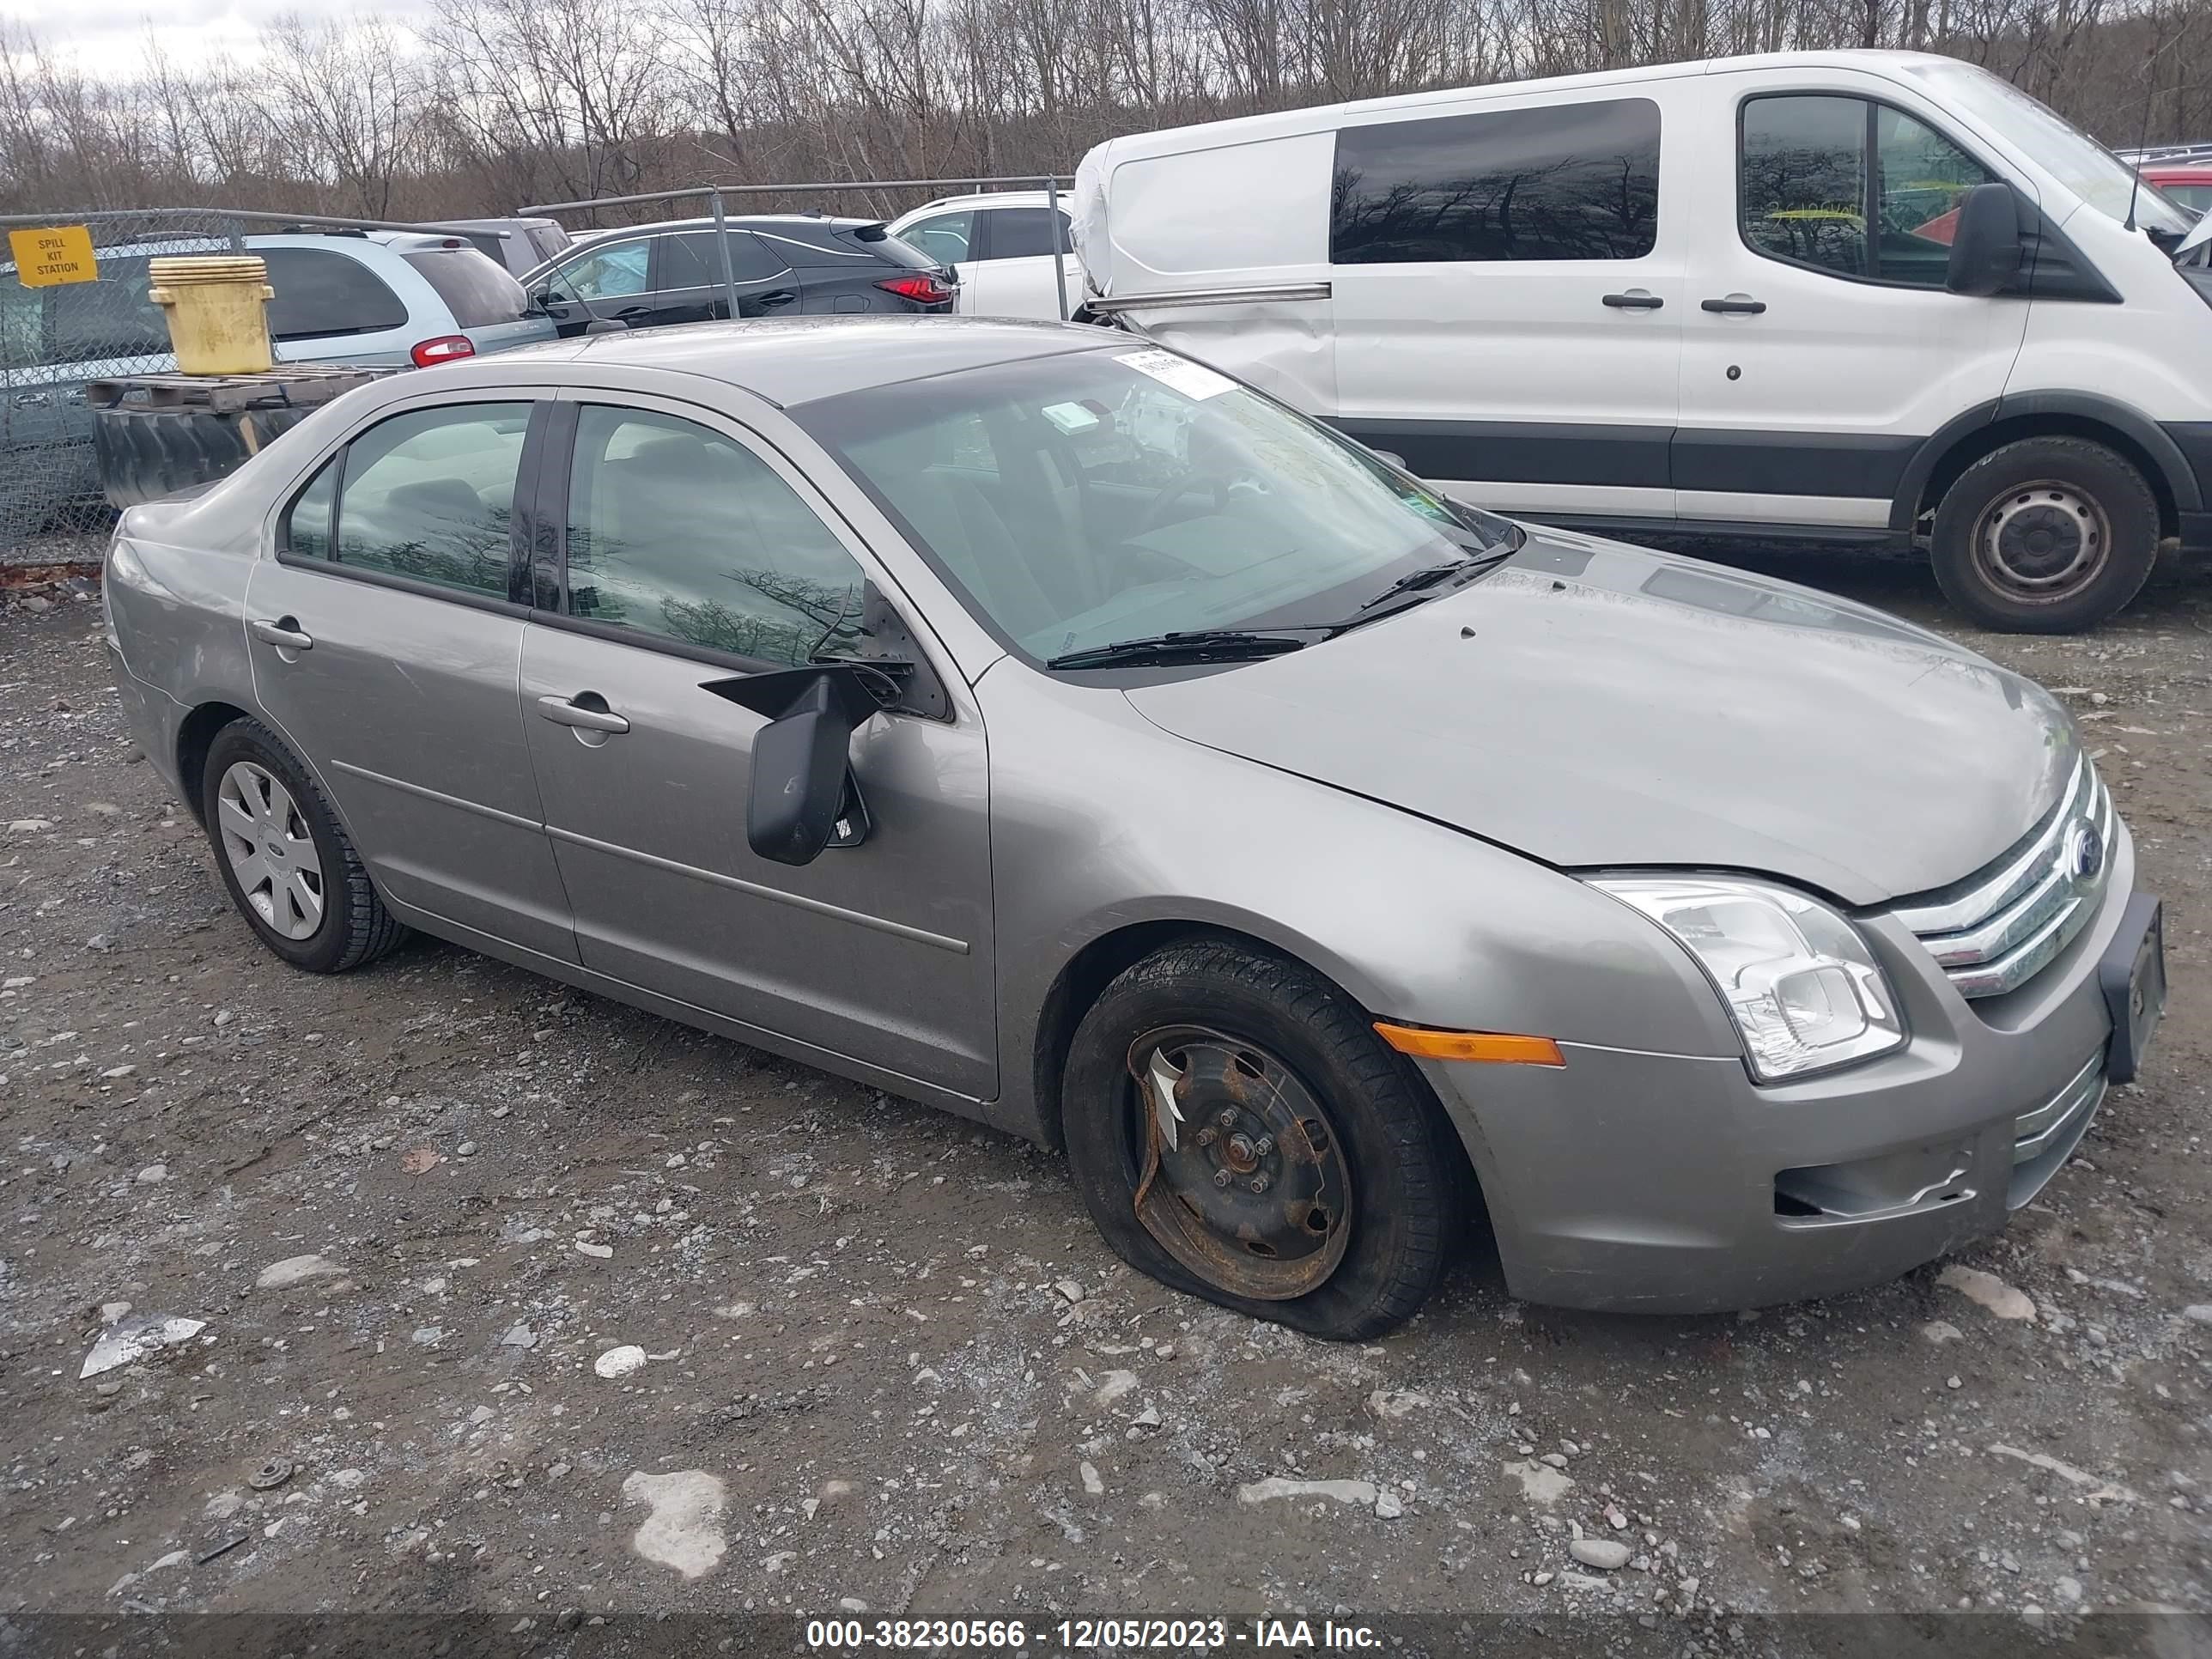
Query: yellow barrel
(214, 302)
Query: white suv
(1003, 246)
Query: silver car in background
(1036, 723)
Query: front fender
(1101, 822)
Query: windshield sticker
(1071, 417)
(1192, 379)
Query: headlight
(1798, 980)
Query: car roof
(799, 360)
(736, 221)
(992, 199)
(2199, 173)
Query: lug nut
(1205, 1136)
(1259, 1183)
(1226, 1117)
(1221, 1177)
(1264, 1145)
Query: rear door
(693, 551)
(1820, 347)
(688, 278)
(385, 633)
(1014, 276)
(1507, 293)
(330, 306)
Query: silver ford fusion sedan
(1036, 723)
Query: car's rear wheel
(2045, 535)
(1238, 1132)
(288, 864)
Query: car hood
(1592, 704)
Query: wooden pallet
(294, 386)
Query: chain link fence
(55, 339)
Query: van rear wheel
(1238, 1131)
(2045, 535)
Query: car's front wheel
(2045, 535)
(1238, 1131)
(287, 863)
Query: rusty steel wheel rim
(1242, 1176)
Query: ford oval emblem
(2085, 850)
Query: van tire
(1398, 1177)
(2045, 536)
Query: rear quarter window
(322, 295)
(478, 292)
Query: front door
(1507, 297)
(1820, 348)
(693, 552)
(611, 283)
(385, 639)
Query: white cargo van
(1868, 296)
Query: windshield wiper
(1414, 581)
(1201, 644)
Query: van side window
(1567, 181)
(1810, 164)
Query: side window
(693, 261)
(607, 273)
(1023, 231)
(945, 237)
(677, 531)
(306, 531)
(1919, 177)
(1809, 164)
(430, 495)
(1566, 181)
(321, 295)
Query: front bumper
(1666, 1183)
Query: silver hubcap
(272, 854)
(2043, 541)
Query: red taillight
(446, 348)
(918, 285)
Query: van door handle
(1635, 300)
(285, 632)
(1736, 305)
(563, 711)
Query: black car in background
(782, 266)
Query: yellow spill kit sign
(58, 253)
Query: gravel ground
(866, 1356)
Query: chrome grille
(1993, 932)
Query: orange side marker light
(1497, 1048)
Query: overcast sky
(112, 35)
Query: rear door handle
(1736, 306)
(562, 712)
(1635, 300)
(284, 632)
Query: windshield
(2061, 148)
(1080, 500)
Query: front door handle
(1736, 305)
(1634, 300)
(562, 712)
(284, 632)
